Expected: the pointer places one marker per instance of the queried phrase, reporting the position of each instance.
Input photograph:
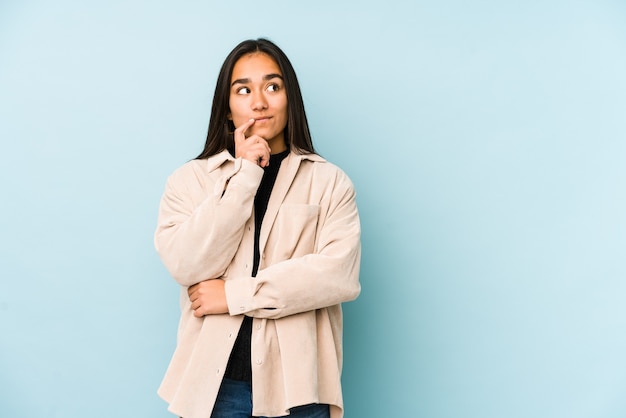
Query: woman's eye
(273, 87)
(243, 90)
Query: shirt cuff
(239, 295)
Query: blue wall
(487, 141)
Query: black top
(239, 364)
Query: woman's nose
(259, 102)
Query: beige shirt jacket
(310, 257)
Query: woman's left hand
(208, 298)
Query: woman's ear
(229, 116)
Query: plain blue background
(487, 142)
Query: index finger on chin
(243, 128)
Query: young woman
(263, 236)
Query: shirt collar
(217, 160)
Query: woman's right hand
(253, 148)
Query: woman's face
(257, 91)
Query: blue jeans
(234, 400)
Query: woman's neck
(278, 146)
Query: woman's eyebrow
(270, 76)
(266, 77)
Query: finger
(265, 157)
(264, 161)
(259, 144)
(241, 131)
(191, 289)
(253, 151)
(265, 144)
(197, 304)
(254, 140)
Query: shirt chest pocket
(294, 231)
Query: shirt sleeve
(326, 277)
(197, 236)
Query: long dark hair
(220, 134)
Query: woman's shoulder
(325, 169)
(199, 166)
(190, 168)
(322, 163)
